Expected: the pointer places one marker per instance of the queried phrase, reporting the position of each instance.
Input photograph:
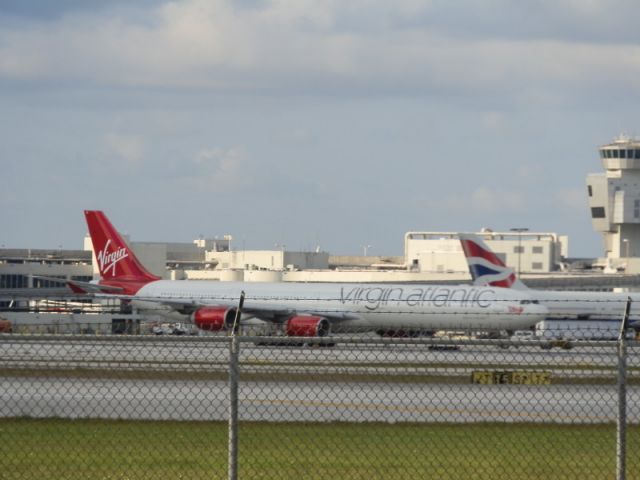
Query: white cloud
(328, 100)
(495, 121)
(304, 45)
(297, 135)
(488, 200)
(531, 172)
(219, 169)
(573, 199)
(127, 147)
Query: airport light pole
(365, 248)
(519, 231)
(228, 238)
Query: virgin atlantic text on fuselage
(376, 297)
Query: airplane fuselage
(603, 306)
(357, 306)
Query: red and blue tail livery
(485, 267)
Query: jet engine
(307, 326)
(213, 319)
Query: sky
(306, 123)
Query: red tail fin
(115, 259)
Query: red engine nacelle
(213, 319)
(307, 326)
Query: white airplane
(487, 269)
(306, 310)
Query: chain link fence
(359, 407)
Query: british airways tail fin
(116, 261)
(486, 267)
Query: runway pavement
(310, 402)
(185, 379)
(116, 351)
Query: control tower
(614, 199)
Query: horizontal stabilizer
(83, 288)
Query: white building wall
(248, 259)
(268, 260)
(441, 252)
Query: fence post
(621, 430)
(234, 355)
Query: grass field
(96, 449)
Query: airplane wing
(79, 287)
(268, 311)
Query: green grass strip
(103, 449)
